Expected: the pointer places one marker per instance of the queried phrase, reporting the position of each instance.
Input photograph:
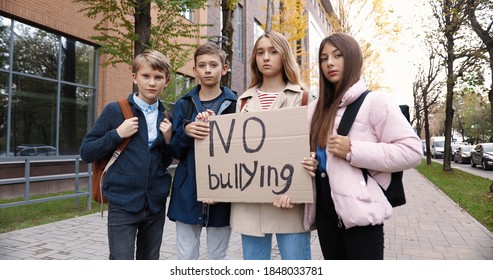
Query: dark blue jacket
(184, 206)
(139, 176)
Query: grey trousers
(188, 241)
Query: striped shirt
(266, 98)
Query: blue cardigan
(139, 176)
(184, 206)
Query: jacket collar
(228, 97)
(228, 93)
(133, 104)
(290, 87)
(353, 93)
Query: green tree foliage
(291, 21)
(461, 54)
(479, 13)
(126, 28)
(370, 22)
(471, 107)
(426, 91)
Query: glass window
(47, 91)
(188, 14)
(4, 42)
(33, 114)
(77, 61)
(257, 31)
(76, 111)
(4, 101)
(35, 51)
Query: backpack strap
(347, 121)
(127, 113)
(188, 110)
(350, 114)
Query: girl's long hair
(330, 95)
(291, 70)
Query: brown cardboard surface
(246, 152)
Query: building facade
(52, 87)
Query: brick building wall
(114, 83)
(62, 17)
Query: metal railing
(28, 179)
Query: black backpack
(395, 192)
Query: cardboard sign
(252, 157)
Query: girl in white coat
(350, 212)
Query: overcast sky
(399, 66)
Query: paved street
(429, 227)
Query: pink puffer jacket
(382, 141)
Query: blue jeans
(125, 227)
(292, 246)
(188, 241)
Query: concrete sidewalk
(429, 226)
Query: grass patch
(470, 192)
(25, 216)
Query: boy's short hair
(212, 49)
(153, 58)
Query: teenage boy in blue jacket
(137, 184)
(190, 115)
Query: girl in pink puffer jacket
(350, 211)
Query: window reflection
(33, 112)
(4, 99)
(35, 51)
(77, 61)
(76, 111)
(4, 42)
(48, 104)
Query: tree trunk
(142, 19)
(427, 128)
(227, 45)
(449, 110)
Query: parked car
(437, 144)
(4, 155)
(453, 148)
(463, 154)
(482, 155)
(35, 150)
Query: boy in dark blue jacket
(137, 184)
(190, 122)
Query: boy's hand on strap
(166, 129)
(128, 127)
